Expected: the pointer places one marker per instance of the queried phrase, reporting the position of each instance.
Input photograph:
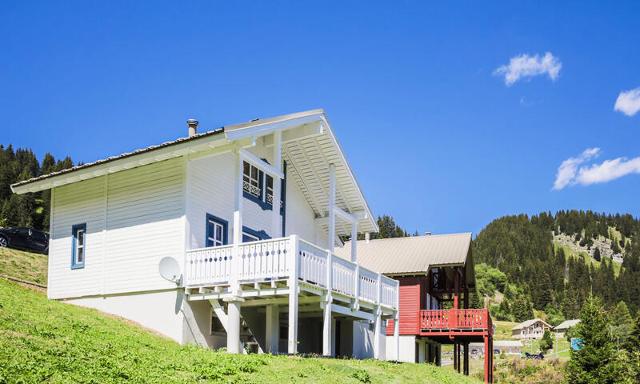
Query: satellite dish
(169, 269)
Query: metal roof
(117, 157)
(567, 324)
(412, 255)
(307, 156)
(528, 323)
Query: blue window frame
(249, 235)
(217, 229)
(78, 245)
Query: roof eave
(131, 160)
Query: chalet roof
(309, 146)
(567, 324)
(528, 323)
(412, 255)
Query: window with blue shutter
(216, 231)
(78, 245)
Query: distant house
(530, 329)
(508, 347)
(562, 328)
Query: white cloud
(628, 102)
(567, 170)
(524, 66)
(608, 170)
(572, 172)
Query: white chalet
(252, 213)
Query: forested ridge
(32, 209)
(517, 257)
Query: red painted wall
(412, 297)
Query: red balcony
(456, 322)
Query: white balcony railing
(273, 260)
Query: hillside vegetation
(21, 265)
(50, 341)
(522, 268)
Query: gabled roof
(412, 255)
(307, 153)
(567, 324)
(528, 323)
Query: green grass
(23, 265)
(584, 256)
(503, 330)
(50, 341)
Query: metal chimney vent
(193, 127)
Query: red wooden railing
(455, 319)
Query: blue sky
(434, 134)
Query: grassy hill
(23, 265)
(50, 341)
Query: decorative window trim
(225, 230)
(259, 235)
(262, 200)
(75, 229)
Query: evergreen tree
(596, 254)
(594, 363)
(546, 343)
(621, 323)
(388, 228)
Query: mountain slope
(556, 261)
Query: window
(78, 245)
(269, 188)
(258, 187)
(252, 180)
(249, 235)
(216, 231)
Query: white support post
(237, 225)
(377, 335)
(273, 328)
(354, 259)
(327, 344)
(354, 242)
(292, 344)
(331, 233)
(396, 334)
(276, 223)
(233, 326)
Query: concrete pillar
(233, 327)
(327, 330)
(378, 334)
(272, 328)
(396, 335)
(422, 357)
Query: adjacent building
(530, 329)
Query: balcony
(463, 322)
(276, 261)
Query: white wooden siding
(77, 203)
(142, 212)
(211, 189)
